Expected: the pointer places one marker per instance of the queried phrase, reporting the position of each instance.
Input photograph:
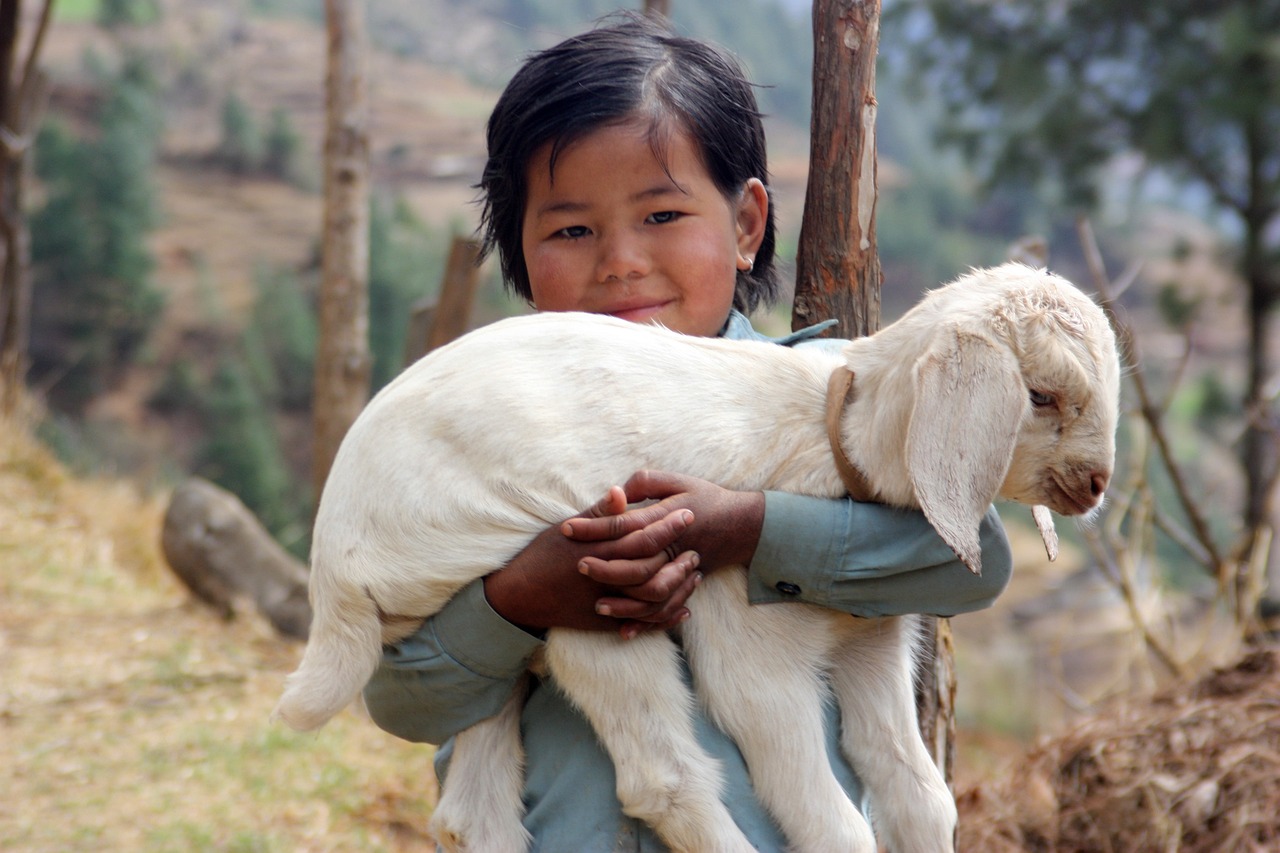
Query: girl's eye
(663, 216)
(1041, 400)
(573, 232)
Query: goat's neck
(874, 427)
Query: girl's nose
(621, 257)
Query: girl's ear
(752, 215)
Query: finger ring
(672, 553)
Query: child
(626, 176)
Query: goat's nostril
(1098, 482)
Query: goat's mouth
(1068, 501)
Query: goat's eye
(1041, 400)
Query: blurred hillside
(229, 239)
(227, 234)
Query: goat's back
(476, 448)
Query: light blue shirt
(864, 559)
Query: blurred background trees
(94, 300)
(1091, 102)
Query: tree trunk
(434, 324)
(217, 548)
(457, 291)
(837, 268)
(342, 360)
(657, 8)
(22, 97)
(1260, 444)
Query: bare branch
(1181, 538)
(1123, 576)
(1150, 413)
(32, 77)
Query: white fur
(454, 467)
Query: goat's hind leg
(758, 671)
(641, 709)
(872, 674)
(481, 807)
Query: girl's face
(619, 232)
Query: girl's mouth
(637, 313)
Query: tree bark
(657, 8)
(217, 548)
(342, 360)
(837, 268)
(22, 96)
(434, 324)
(1260, 443)
(457, 291)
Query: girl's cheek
(551, 282)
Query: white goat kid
(1004, 383)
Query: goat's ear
(969, 402)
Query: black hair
(630, 66)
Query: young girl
(626, 176)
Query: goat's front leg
(482, 807)
(758, 670)
(634, 697)
(872, 673)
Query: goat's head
(1016, 396)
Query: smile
(637, 313)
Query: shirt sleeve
(870, 560)
(457, 669)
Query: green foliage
(1218, 405)
(1178, 311)
(127, 13)
(244, 148)
(1053, 91)
(241, 148)
(242, 452)
(76, 11)
(406, 260)
(93, 299)
(281, 340)
(284, 156)
(180, 390)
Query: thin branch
(1181, 538)
(31, 74)
(1124, 582)
(1150, 413)
(14, 145)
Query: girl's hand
(723, 531)
(546, 584)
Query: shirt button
(787, 588)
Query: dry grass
(133, 719)
(1196, 769)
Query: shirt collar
(739, 328)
